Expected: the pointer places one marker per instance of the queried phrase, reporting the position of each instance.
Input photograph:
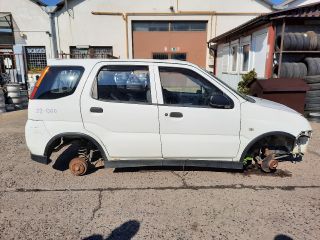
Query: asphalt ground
(47, 202)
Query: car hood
(273, 105)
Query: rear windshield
(59, 81)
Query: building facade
(177, 29)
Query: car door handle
(176, 114)
(96, 109)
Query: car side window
(124, 84)
(182, 86)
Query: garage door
(182, 40)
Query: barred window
(91, 52)
(36, 57)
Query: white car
(156, 113)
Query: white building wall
(76, 25)
(30, 21)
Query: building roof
(306, 11)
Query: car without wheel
(156, 113)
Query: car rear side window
(59, 81)
(124, 84)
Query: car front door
(198, 119)
(118, 105)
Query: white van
(156, 113)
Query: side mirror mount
(220, 101)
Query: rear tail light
(36, 86)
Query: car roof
(91, 62)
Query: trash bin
(288, 91)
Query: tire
(287, 70)
(303, 71)
(315, 86)
(2, 104)
(299, 41)
(313, 38)
(313, 106)
(13, 94)
(312, 79)
(2, 109)
(312, 100)
(10, 107)
(311, 94)
(12, 100)
(283, 70)
(312, 66)
(13, 87)
(318, 42)
(24, 93)
(286, 42)
(24, 99)
(293, 41)
(306, 41)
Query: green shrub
(246, 79)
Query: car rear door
(189, 127)
(118, 105)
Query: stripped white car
(156, 113)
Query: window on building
(150, 26)
(160, 56)
(188, 26)
(245, 57)
(234, 58)
(160, 26)
(36, 58)
(91, 52)
(124, 83)
(225, 59)
(185, 87)
(179, 56)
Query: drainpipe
(50, 10)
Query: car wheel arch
(74, 136)
(263, 136)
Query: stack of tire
(309, 41)
(24, 97)
(2, 102)
(292, 70)
(313, 80)
(14, 99)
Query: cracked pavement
(40, 202)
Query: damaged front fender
(301, 143)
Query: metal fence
(12, 68)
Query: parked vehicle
(156, 113)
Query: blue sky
(53, 2)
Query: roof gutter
(181, 13)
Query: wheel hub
(78, 166)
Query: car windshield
(245, 97)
